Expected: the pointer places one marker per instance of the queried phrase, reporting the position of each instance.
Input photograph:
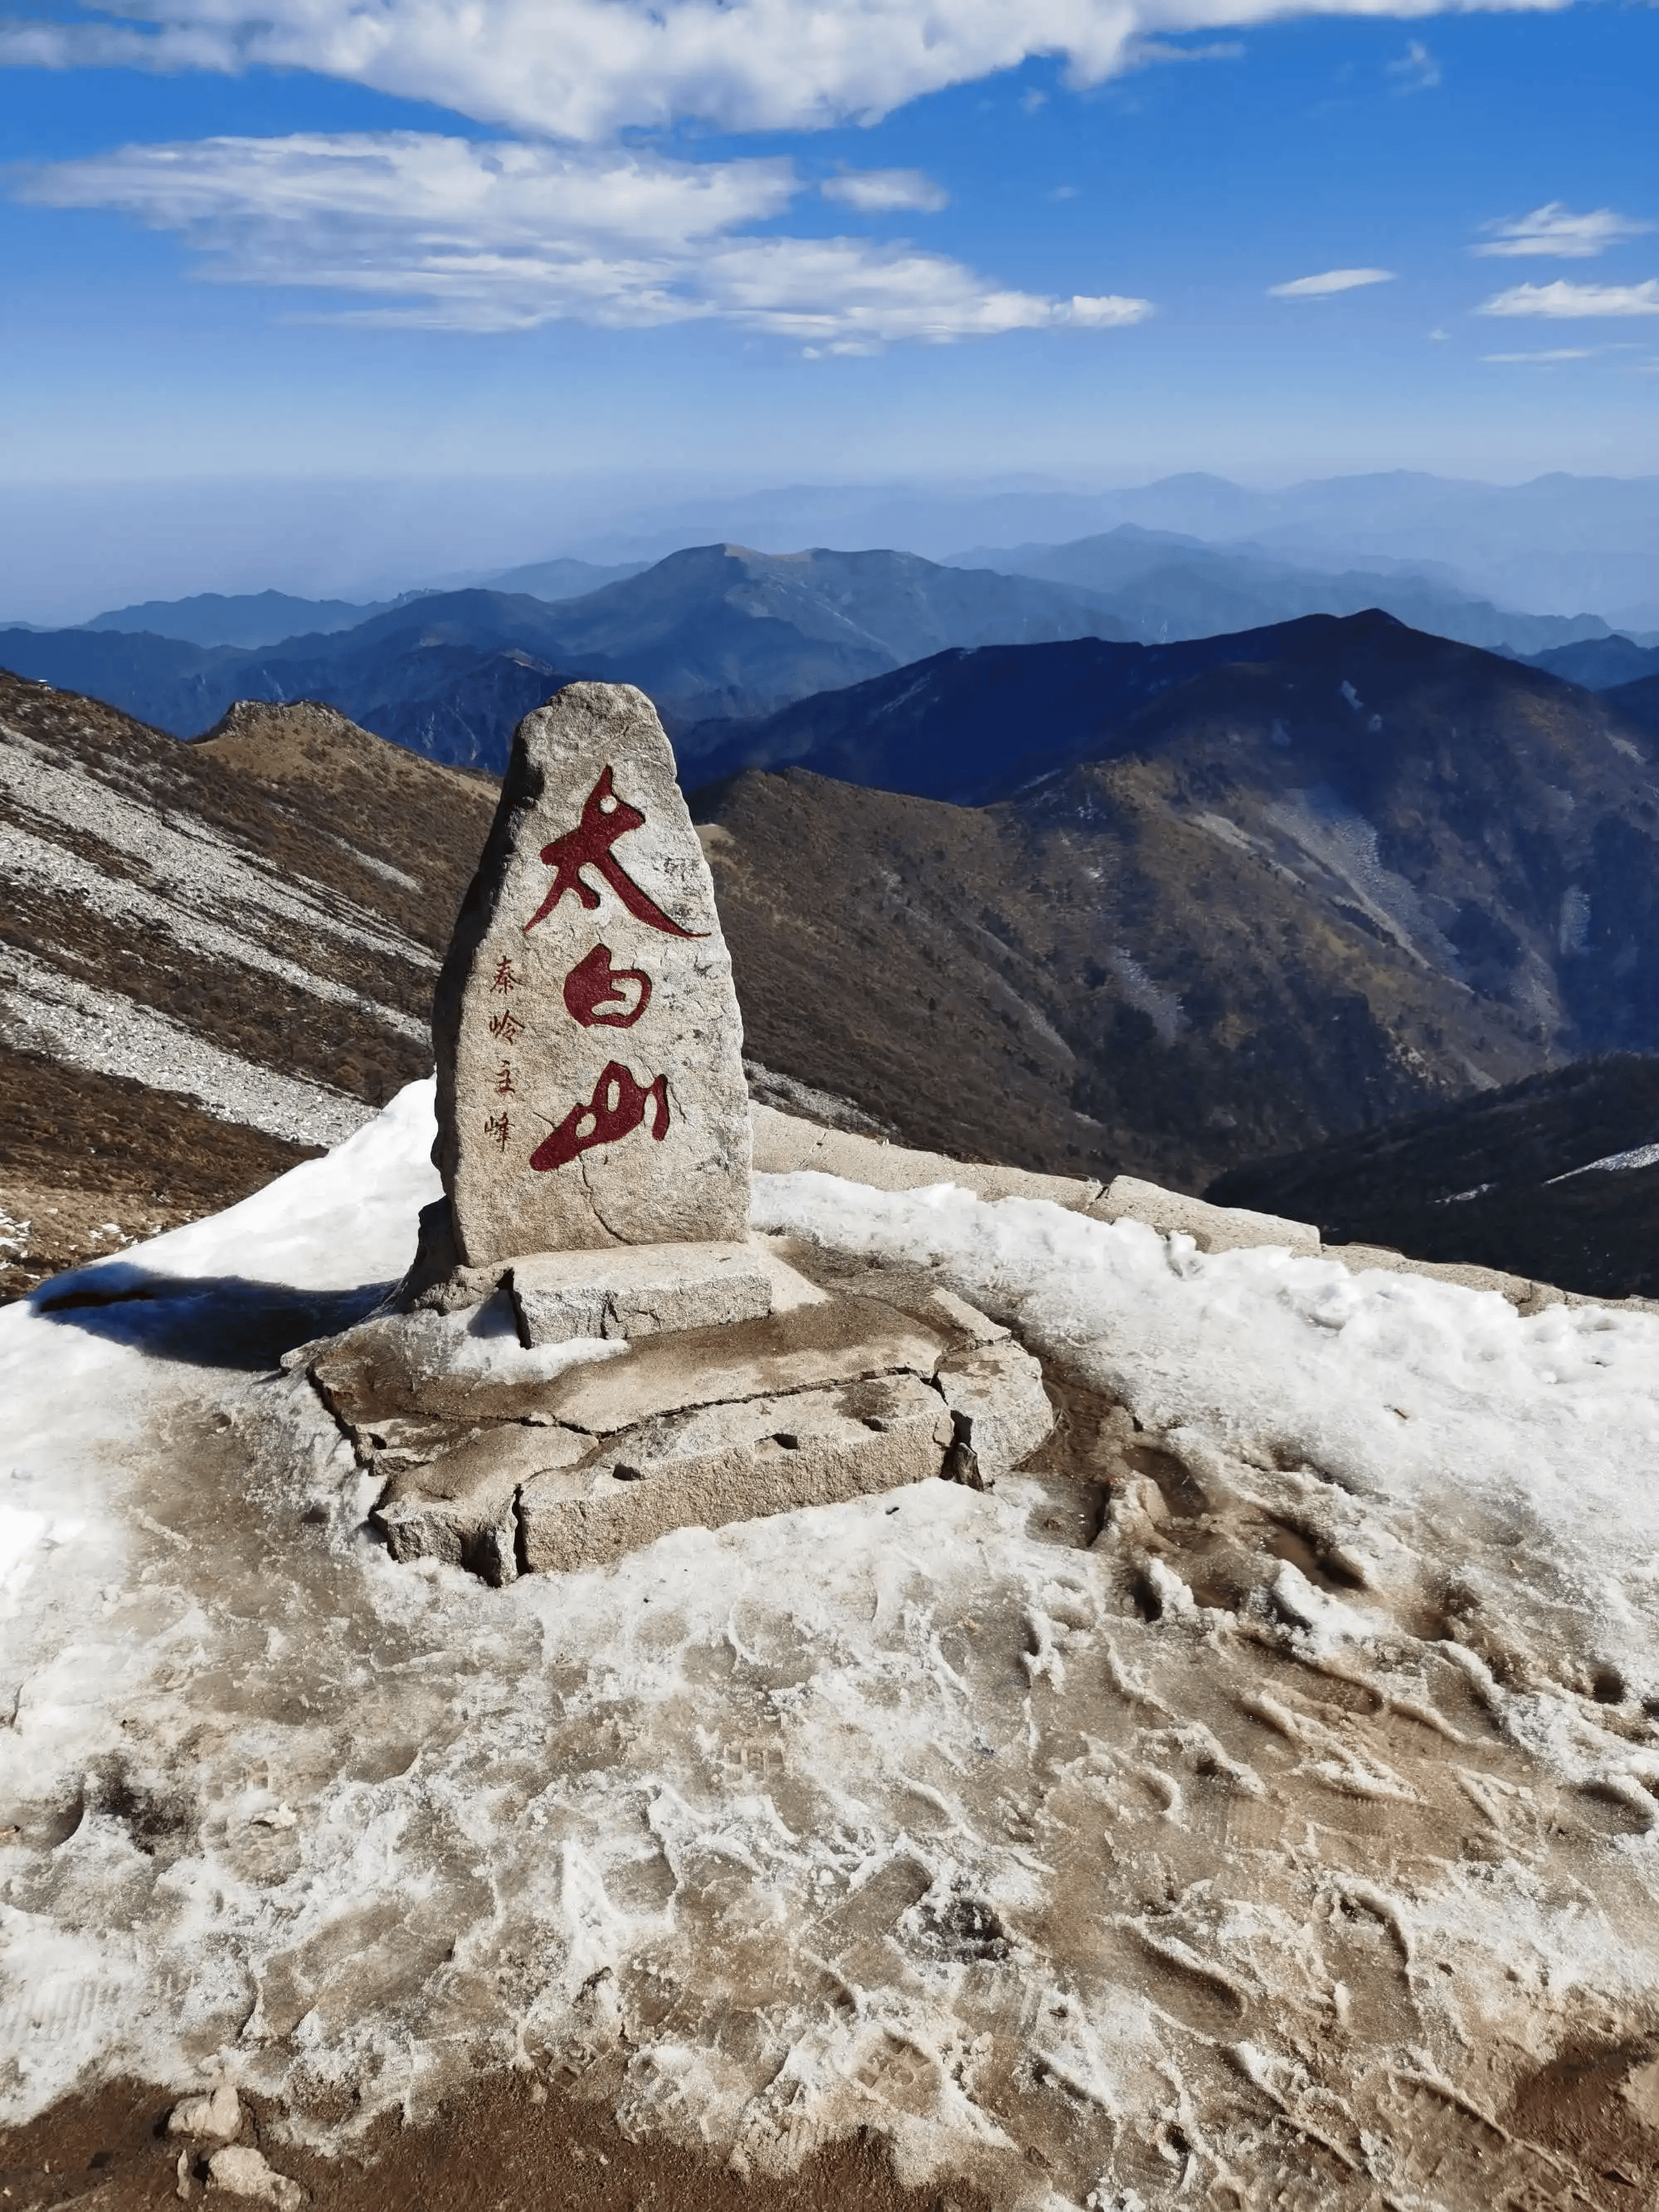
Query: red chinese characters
(597, 993)
(506, 1026)
(604, 819)
(594, 991)
(615, 1109)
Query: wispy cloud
(1562, 301)
(1329, 282)
(584, 70)
(1548, 353)
(1416, 71)
(1143, 50)
(885, 192)
(444, 233)
(1556, 233)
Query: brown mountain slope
(213, 958)
(1137, 996)
(1299, 898)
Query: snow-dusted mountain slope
(212, 957)
(1255, 1803)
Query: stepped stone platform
(510, 1457)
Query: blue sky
(580, 240)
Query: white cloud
(1556, 232)
(1331, 281)
(1562, 301)
(1143, 50)
(245, 196)
(1417, 69)
(584, 69)
(885, 192)
(442, 233)
(1549, 353)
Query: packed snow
(1305, 1814)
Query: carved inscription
(597, 993)
(588, 1040)
(616, 1110)
(604, 819)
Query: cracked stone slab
(734, 1462)
(462, 1508)
(842, 1340)
(1001, 1410)
(639, 1290)
(591, 1089)
(503, 1458)
(387, 1377)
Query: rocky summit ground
(1248, 1804)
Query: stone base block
(733, 1462)
(638, 1290)
(845, 1339)
(503, 1458)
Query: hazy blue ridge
(1603, 663)
(975, 726)
(710, 631)
(1168, 585)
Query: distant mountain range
(713, 630)
(244, 618)
(1326, 880)
(721, 634)
(1165, 586)
(261, 618)
(1558, 544)
(1555, 1177)
(1601, 663)
(974, 726)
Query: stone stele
(590, 1078)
